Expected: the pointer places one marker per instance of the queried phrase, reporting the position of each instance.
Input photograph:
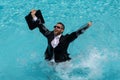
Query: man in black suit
(57, 43)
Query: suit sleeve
(44, 30)
(75, 34)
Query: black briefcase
(33, 24)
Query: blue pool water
(95, 54)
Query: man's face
(58, 29)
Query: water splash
(82, 67)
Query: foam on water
(83, 69)
(86, 67)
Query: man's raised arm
(41, 27)
(83, 28)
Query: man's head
(59, 28)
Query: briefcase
(33, 24)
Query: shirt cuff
(35, 18)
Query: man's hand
(89, 23)
(33, 12)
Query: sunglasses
(58, 27)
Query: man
(57, 43)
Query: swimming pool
(95, 54)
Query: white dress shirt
(54, 43)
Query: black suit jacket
(60, 52)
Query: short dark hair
(61, 24)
